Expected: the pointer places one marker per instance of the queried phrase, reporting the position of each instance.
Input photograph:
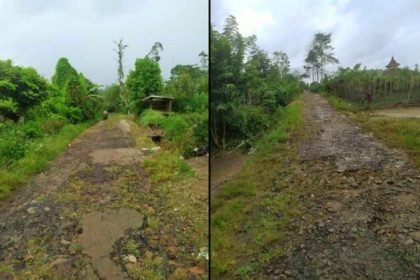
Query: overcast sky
(38, 32)
(369, 32)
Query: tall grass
(39, 152)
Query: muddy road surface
(90, 215)
(361, 208)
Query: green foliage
(166, 165)
(74, 95)
(112, 101)
(196, 103)
(184, 131)
(319, 55)
(21, 155)
(343, 105)
(176, 130)
(315, 87)
(247, 204)
(187, 81)
(144, 80)
(63, 73)
(247, 85)
(374, 87)
(21, 88)
(53, 124)
(151, 118)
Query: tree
(247, 86)
(204, 60)
(63, 73)
(21, 88)
(154, 52)
(144, 80)
(120, 53)
(281, 61)
(319, 55)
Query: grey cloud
(84, 30)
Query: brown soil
(361, 214)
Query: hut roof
(392, 63)
(156, 97)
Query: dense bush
(53, 124)
(184, 131)
(151, 118)
(31, 108)
(21, 88)
(196, 103)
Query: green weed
(247, 217)
(36, 156)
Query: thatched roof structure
(392, 64)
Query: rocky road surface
(90, 215)
(362, 221)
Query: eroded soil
(361, 205)
(92, 214)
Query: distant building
(392, 65)
(158, 102)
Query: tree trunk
(213, 132)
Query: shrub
(197, 103)
(54, 124)
(151, 118)
(12, 147)
(31, 129)
(315, 87)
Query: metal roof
(157, 97)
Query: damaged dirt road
(360, 216)
(94, 214)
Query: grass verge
(42, 151)
(343, 105)
(250, 213)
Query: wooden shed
(159, 102)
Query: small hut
(392, 65)
(159, 103)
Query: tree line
(248, 86)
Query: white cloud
(362, 31)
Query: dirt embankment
(225, 168)
(361, 212)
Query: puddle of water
(412, 112)
(118, 155)
(100, 231)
